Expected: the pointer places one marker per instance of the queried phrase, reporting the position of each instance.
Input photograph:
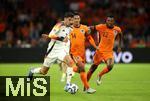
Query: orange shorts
(77, 58)
(102, 56)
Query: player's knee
(43, 72)
(110, 67)
(81, 67)
(93, 68)
(71, 63)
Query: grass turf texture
(126, 82)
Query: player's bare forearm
(98, 37)
(53, 36)
(45, 36)
(120, 41)
(65, 39)
(92, 42)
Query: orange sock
(83, 77)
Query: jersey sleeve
(87, 30)
(55, 29)
(98, 27)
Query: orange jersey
(77, 40)
(107, 36)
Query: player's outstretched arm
(92, 42)
(53, 33)
(119, 38)
(89, 37)
(52, 36)
(92, 27)
(45, 36)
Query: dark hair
(68, 14)
(76, 13)
(110, 16)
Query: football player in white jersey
(58, 48)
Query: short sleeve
(87, 30)
(99, 27)
(55, 29)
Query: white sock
(63, 77)
(36, 70)
(69, 74)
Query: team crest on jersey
(82, 31)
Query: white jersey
(57, 50)
(55, 45)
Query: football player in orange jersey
(108, 32)
(77, 49)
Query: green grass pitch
(126, 82)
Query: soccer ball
(71, 88)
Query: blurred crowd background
(23, 21)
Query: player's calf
(93, 68)
(44, 70)
(107, 69)
(39, 70)
(110, 63)
(110, 67)
(69, 70)
(63, 67)
(91, 71)
(81, 66)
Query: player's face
(68, 21)
(76, 20)
(110, 22)
(71, 22)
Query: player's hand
(119, 50)
(97, 48)
(45, 36)
(65, 39)
(91, 27)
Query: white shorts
(54, 56)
